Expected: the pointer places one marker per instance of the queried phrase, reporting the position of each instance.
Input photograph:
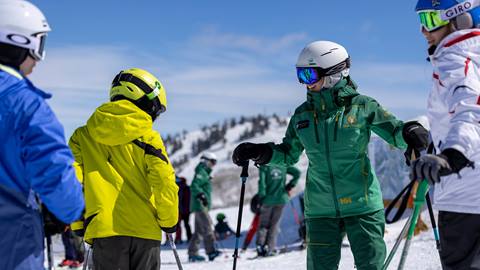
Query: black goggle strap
(322, 72)
(127, 77)
(213, 161)
(337, 68)
(149, 92)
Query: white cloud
(85, 67)
(212, 37)
(212, 76)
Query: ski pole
(49, 252)
(400, 237)
(244, 177)
(85, 261)
(432, 220)
(417, 206)
(174, 249)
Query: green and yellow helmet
(142, 89)
(221, 216)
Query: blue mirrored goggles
(308, 75)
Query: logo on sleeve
(303, 124)
(351, 119)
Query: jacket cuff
(169, 229)
(456, 159)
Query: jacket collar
(331, 99)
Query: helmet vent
(131, 90)
(333, 49)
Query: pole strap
(403, 196)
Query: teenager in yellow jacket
(128, 180)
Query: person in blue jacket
(35, 161)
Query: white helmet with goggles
(209, 156)
(435, 14)
(323, 59)
(23, 25)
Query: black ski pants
(460, 240)
(126, 253)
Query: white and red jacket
(454, 116)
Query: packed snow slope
(221, 138)
(422, 254)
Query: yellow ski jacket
(128, 180)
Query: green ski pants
(364, 232)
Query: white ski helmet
(322, 59)
(23, 25)
(209, 156)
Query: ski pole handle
(244, 173)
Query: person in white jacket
(451, 28)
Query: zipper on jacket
(336, 128)
(315, 116)
(329, 163)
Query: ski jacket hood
(118, 122)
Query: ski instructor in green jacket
(342, 193)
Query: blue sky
(220, 59)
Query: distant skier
(200, 203)
(35, 161)
(222, 229)
(128, 180)
(183, 210)
(451, 29)
(273, 192)
(342, 194)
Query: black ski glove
(170, 229)
(431, 167)
(203, 199)
(289, 187)
(51, 224)
(260, 153)
(416, 137)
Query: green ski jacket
(201, 184)
(271, 184)
(333, 127)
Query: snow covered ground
(422, 255)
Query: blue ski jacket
(35, 161)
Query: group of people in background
(114, 184)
